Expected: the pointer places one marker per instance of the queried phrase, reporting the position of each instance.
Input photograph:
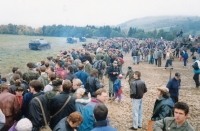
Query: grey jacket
(169, 124)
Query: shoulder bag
(46, 127)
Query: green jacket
(130, 74)
(44, 79)
(169, 124)
(30, 75)
(88, 68)
(98, 56)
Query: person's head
(94, 72)
(43, 69)
(137, 75)
(115, 63)
(16, 79)
(100, 112)
(76, 83)
(14, 69)
(4, 88)
(50, 70)
(181, 111)
(19, 73)
(75, 119)
(80, 92)
(35, 86)
(70, 69)
(177, 76)
(70, 61)
(59, 77)
(24, 125)
(67, 85)
(19, 91)
(57, 84)
(30, 65)
(162, 92)
(42, 62)
(51, 77)
(46, 64)
(80, 66)
(102, 95)
(58, 64)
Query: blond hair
(80, 91)
(77, 82)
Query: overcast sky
(37, 13)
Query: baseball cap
(177, 75)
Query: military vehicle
(71, 40)
(82, 39)
(39, 44)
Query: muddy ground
(120, 115)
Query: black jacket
(87, 57)
(138, 88)
(35, 112)
(56, 103)
(110, 73)
(94, 85)
(70, 76)
(63, 125)
(163, 108)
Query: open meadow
(15, 52)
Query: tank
(71, 40)
(82, 39)
(39, 44)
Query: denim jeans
(137, 113)
(134, 59)
(184, 62)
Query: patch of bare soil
(120, 115)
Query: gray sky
(37, 13)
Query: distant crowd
(67, 93)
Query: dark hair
(46, 64)
(19, 73)
(51, 68)
(16, 79)
(52, 77)
(138, 74)
(164, 94)
(39, 71)
(14, 69)
(102, 57)
(42, 62)
(71, 69)
(67, 85)
(56, 83)
(94, 72)
(4, 79)
(65, 64)
(182, 106)
(4, 87)
(100, 112)
(37, 85)
(59, 63)
(29, 65)
(80, 66)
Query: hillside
(164, 22)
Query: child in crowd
(118, 88)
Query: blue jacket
(87, 113)
(174, 85)
(102, 126)
(196, 71)
(117, 85)
(185, 55)
(82, 76)
(198, 50)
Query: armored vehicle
(82, 39)
(71, 40)
(39, 44)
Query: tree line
(102, 31)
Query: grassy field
(14, 51)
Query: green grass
(14, 51)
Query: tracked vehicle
(39, 44)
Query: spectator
(130, 73)
(138, 88)
(60, 70)
(49, 87)
(176, 123)
(87, 66)
(43, 77)
(14, 69)
(24, 125)
(70, 73)
(76, 84)
(174, 85)
(58, 102)
(9, 106)
(100, 115)
(81, 74)
(69, 123)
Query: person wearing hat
(174, 85)
(87, 66)
(163, 106)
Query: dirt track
(120, 115)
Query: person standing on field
(137, 90)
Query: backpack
(99, 67)
(121, 60)
(195, 66)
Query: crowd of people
(66, 92)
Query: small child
(19, 95)
(118, 88)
